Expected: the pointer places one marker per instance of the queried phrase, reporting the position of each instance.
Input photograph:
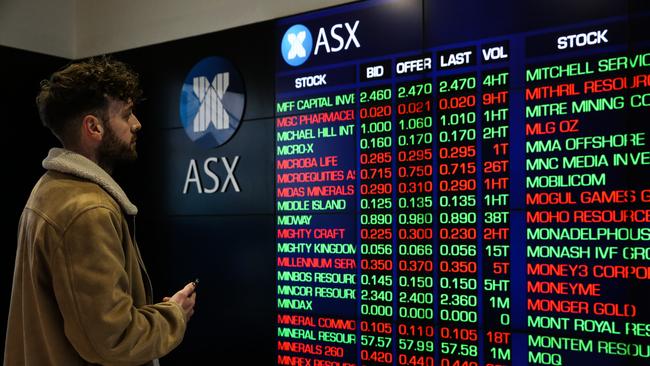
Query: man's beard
(112, 150)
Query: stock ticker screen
(459, 189)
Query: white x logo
(296, 40)
(211, 95)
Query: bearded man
(81, 294)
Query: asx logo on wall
(212, 102)
(211, 108)
(297, 42)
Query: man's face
(118, 143)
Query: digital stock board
(463, 190)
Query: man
(81, 294)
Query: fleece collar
(66, 161)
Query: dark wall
(226, 239)
(23, 149)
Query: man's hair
(84, 88)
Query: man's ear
(92, 127)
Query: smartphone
(196, 284)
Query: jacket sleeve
(92, 289)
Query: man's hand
(186, 298)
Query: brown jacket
(78, 294)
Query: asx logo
(212, 102)
(211, 111)
(297, 42)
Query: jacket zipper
(143, 269)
